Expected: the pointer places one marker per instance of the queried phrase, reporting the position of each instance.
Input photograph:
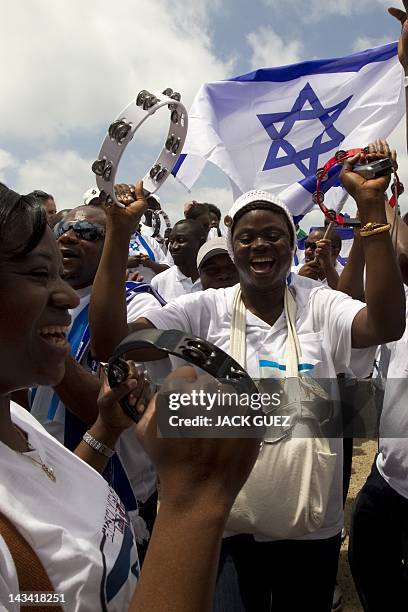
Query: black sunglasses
(84, 230)
(312, 246)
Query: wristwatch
(100, 448)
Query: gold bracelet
(370, 229)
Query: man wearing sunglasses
(80, 238)
(321, 255)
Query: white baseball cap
(90, 195)
(210, 249)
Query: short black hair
(214, 209)
(19, 213)
(198, 209)
(333, 236)
(262, 205)
(194, 226)
(41, 195)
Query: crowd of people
(99, 512)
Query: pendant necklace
(48, 470)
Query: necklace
(48, 470)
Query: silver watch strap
(99, 447)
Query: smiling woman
(35, 300)
(36, 471)
(62, 527)
(278, 325)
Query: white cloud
(63, 173)
(7, 162)
(364, 42)
(74, 65)
(214, 195)
(173, 196)
(268, 49)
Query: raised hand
(361, 189)
(311, 269)
(192, 469)
(323, 252)
(134, 276)
(403, 39)
(110, 411)
(134, 199)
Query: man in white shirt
(215, 266)
(378, 550)
(321, 258)
(186, 238)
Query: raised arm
(200, 479)
(79, 390)
(323, 255)
(383, 319)
(107, 310)
(351, 280)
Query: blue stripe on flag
(350, 63)
(178, 164)
(345, 233)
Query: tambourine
(384, 166)
(124, 127)
(192, 349)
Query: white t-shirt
(338, 267)
(139, 468)
(136, 247)
(75, 525)
(323, 323)
(392, 460)
(172, 284)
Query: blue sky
(69, 68)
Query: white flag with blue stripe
(273, 128)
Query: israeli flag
(273, 128)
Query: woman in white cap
(283, 541)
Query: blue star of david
(327, 116)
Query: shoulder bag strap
(30, 571)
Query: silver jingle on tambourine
(122, 130)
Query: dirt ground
(363, 455)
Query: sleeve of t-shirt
(159, 256)
(177, 314)
(154, 283)
(141, 303)
(334, 314)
